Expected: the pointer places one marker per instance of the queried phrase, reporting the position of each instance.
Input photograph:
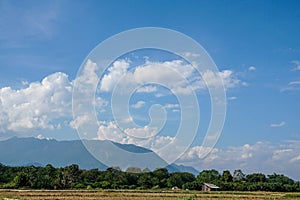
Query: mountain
(26, 151)
(182, 168)
(39, 152)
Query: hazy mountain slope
(24, 151)
(27, 151)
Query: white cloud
(262, 157)
(177, 75)
(290, 87)
(142, 136)
(41, 137)
(88, 79)
(141, 132)
(232, 98)
(228, 78)
(25, 83)
(295, 159)
(100, 104)
(277, 154)
(283, 123)
(128, 120)
(42, 105)
(252, 68)
(37, 105)
(115, 72)
(159, 95)
(138, 104)
(147, 89)
(170, 106)
(294, 83)
(297, 65)
(80, 121)
(191, 55)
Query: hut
(207, 187)
(175, 188)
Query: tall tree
(208, 176)
(226, 176)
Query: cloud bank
(36, 105)
(262, 157)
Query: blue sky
(256, 41)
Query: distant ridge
(40, 152)
(26, 151)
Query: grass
(139, 195)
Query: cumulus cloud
(283, 123)
(228, 78)
(147, 89)
(37, 105)
(262, 157)
(88, 79)
(40, 105)
(177, 75)
(80, 121)
(138, 104)
(115, 72)
(252, 68)
(142, 136)
(43, 105)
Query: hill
(39, 152)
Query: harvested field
(135, 195)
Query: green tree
(71, 175)
(297, 186)
(194, 185)
(21, 180)
(226, 176)
(256, 177)
(179, 178)
(208, 176)
(144, 181)
(89, 176)
(162, 174)
(280, 178)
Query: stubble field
(139, 195)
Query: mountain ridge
(17, 151)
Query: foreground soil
(138, 195)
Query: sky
(254, 44)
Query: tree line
(72, 177)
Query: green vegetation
(71, 177)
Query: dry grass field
(139, 195)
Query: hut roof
(212, 186)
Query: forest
(72, 177)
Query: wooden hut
(207, 187)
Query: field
(135, 195)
